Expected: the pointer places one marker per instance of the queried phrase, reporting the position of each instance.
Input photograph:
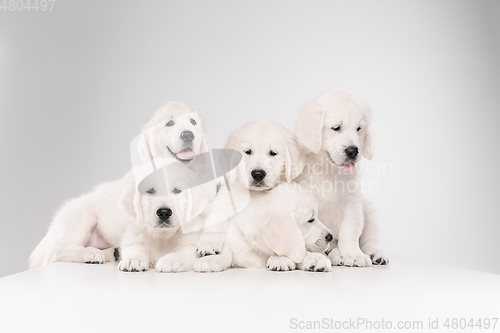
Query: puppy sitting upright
(336, 129)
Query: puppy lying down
(169, 216)
(90, 227)
(279, 229)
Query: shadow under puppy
(279, 229)
(168, 207)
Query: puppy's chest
(330, 213)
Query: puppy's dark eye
(336, 128)
(170, 123)
(151, 190)
(193, 121)
(176, 191)
(311, 220)
(359, 128)
(248, 151)
(273, 153)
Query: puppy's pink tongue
(349, 165)
(186, 154)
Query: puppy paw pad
(280, 264)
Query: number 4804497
(29, 5)
(463, 323)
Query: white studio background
(79, 82)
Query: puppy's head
(295, 226)
(161, 205)
(270, 154)
(175, 131)
(305, 215)
(338, 124)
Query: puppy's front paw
(335, 257)
(276, 263)
(316, 262)
(208, 264)
(173, 263)
(137, 264)
(356, 259)
(210, 245)
(378, 257)
(91, 255)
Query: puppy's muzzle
(164, 213)
(258, 175)
(187, 136)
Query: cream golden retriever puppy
(88, 228)
(278, 229)
(175, 131)
(270, 156)
(169, 217)
(336, 129)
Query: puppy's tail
(38, 257)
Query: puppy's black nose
(187, 136)
(329, 238)
(258, 175)
(352, 152)
(164, 213)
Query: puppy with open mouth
(336, 130)
(175, 131)
(90, 227)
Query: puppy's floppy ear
(294, 161)
(131, 200)
(190, 203)
(203, 155)
(205, 146)
(283, 237)
(238, 171)
(309, 126)
(147, 145)
(196, 202)
(231, 159)
(368, 142)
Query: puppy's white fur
(86, 226)
(268, 223)
(153, 242)
(161, 136)
(278, 229)
(255, 141)
(87, 229)
(327, 126)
